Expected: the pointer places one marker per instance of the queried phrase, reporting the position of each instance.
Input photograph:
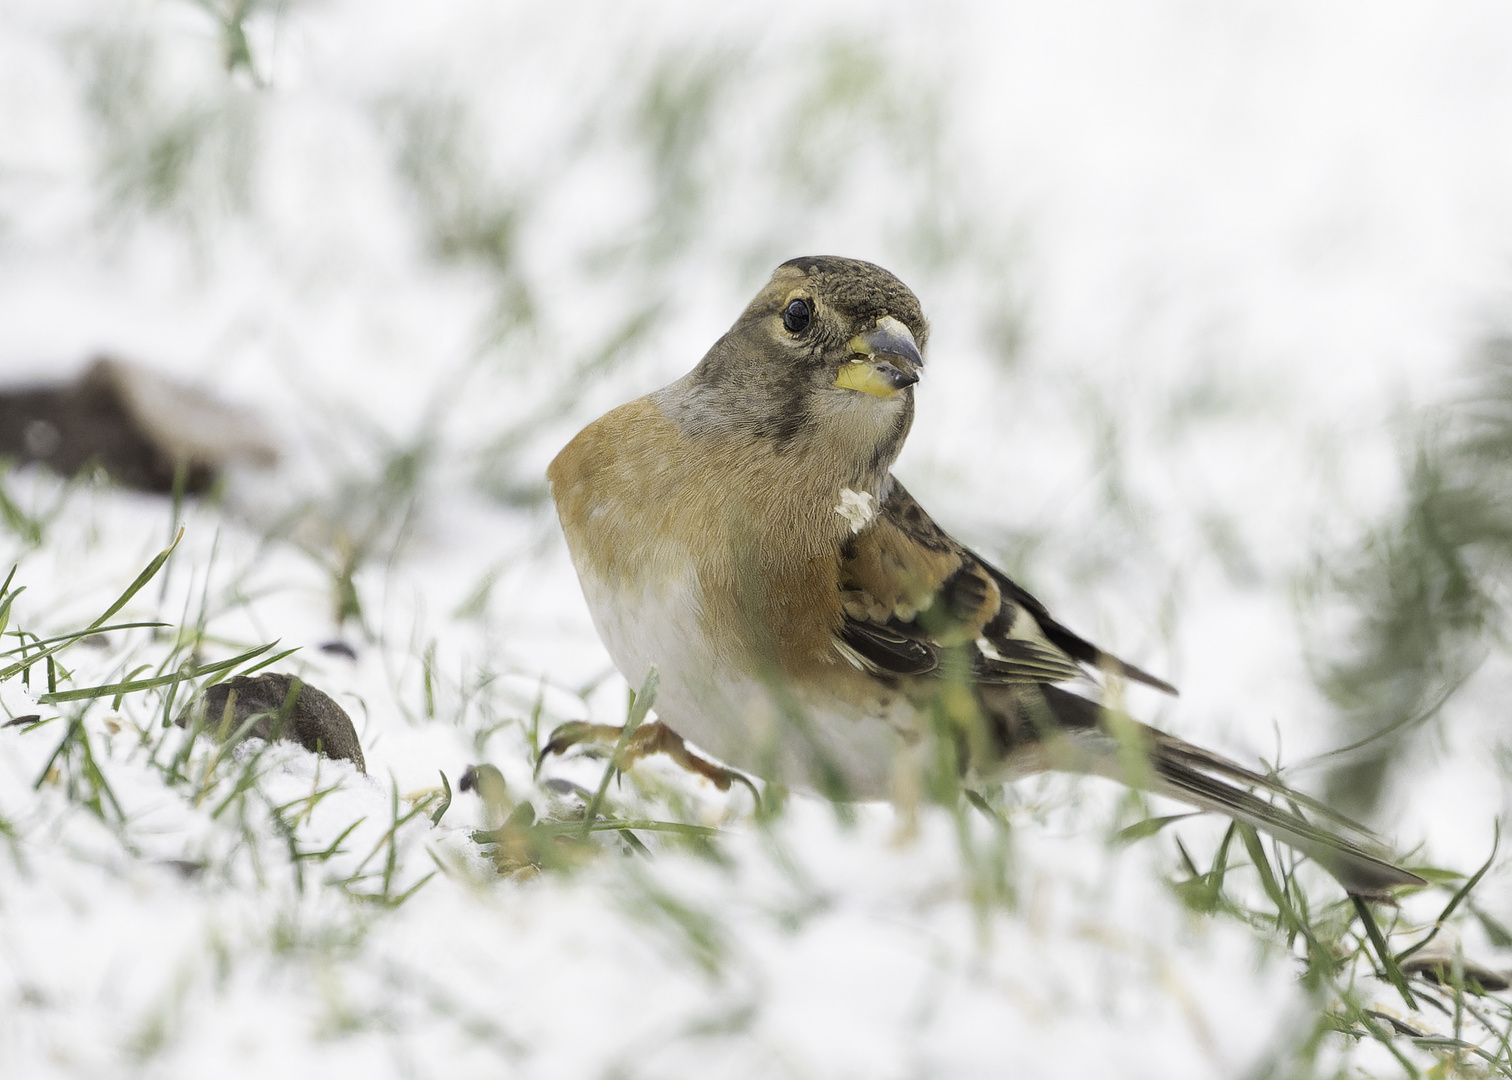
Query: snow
(1189, 272)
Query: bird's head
(824, 358)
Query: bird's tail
(1088, 738)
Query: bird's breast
(675, 538)
(722, 569)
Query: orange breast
(642, 505)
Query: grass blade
(141, 580)
(1457, 899)
(1388, 962)
(1148, 827)
(638, 710)
(131, 686)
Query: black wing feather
(1070, 643)
(905, 649)
(888, 650)
(916, 646)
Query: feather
(1166, 765)
(910, 593)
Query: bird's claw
(565, 736)
(652, 738)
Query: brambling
(741, 531)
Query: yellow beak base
(870, 379)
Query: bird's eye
(796, 316)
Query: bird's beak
(883, 360)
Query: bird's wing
(1068, 642)
(915, 601)
(911, 594)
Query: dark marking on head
(858, 290)
(790, 387)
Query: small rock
(137, 425)
(315, 722)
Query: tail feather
(1081, 741)
(1201, 759)
(1361, 870)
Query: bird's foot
(652, 738)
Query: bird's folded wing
(911, 595)
(1071, 643)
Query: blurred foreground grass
(1428, 587)
(561, 828)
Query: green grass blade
(445, 803)
(1148, 827)
(1388, 962)
(63, 640)
(638, 710)
(1457, 899)
(131, 686)
(141, 580)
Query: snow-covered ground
(1192, 272)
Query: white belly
(764, 729)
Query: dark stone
(315, 721)
(141, 428)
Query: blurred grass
(231, 19)
(1338, 946)
(468, 214)
(1427, 588)
(673, 121)
(164, 152)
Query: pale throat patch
(856, 507)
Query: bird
(740, 533)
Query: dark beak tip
(901, 376)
